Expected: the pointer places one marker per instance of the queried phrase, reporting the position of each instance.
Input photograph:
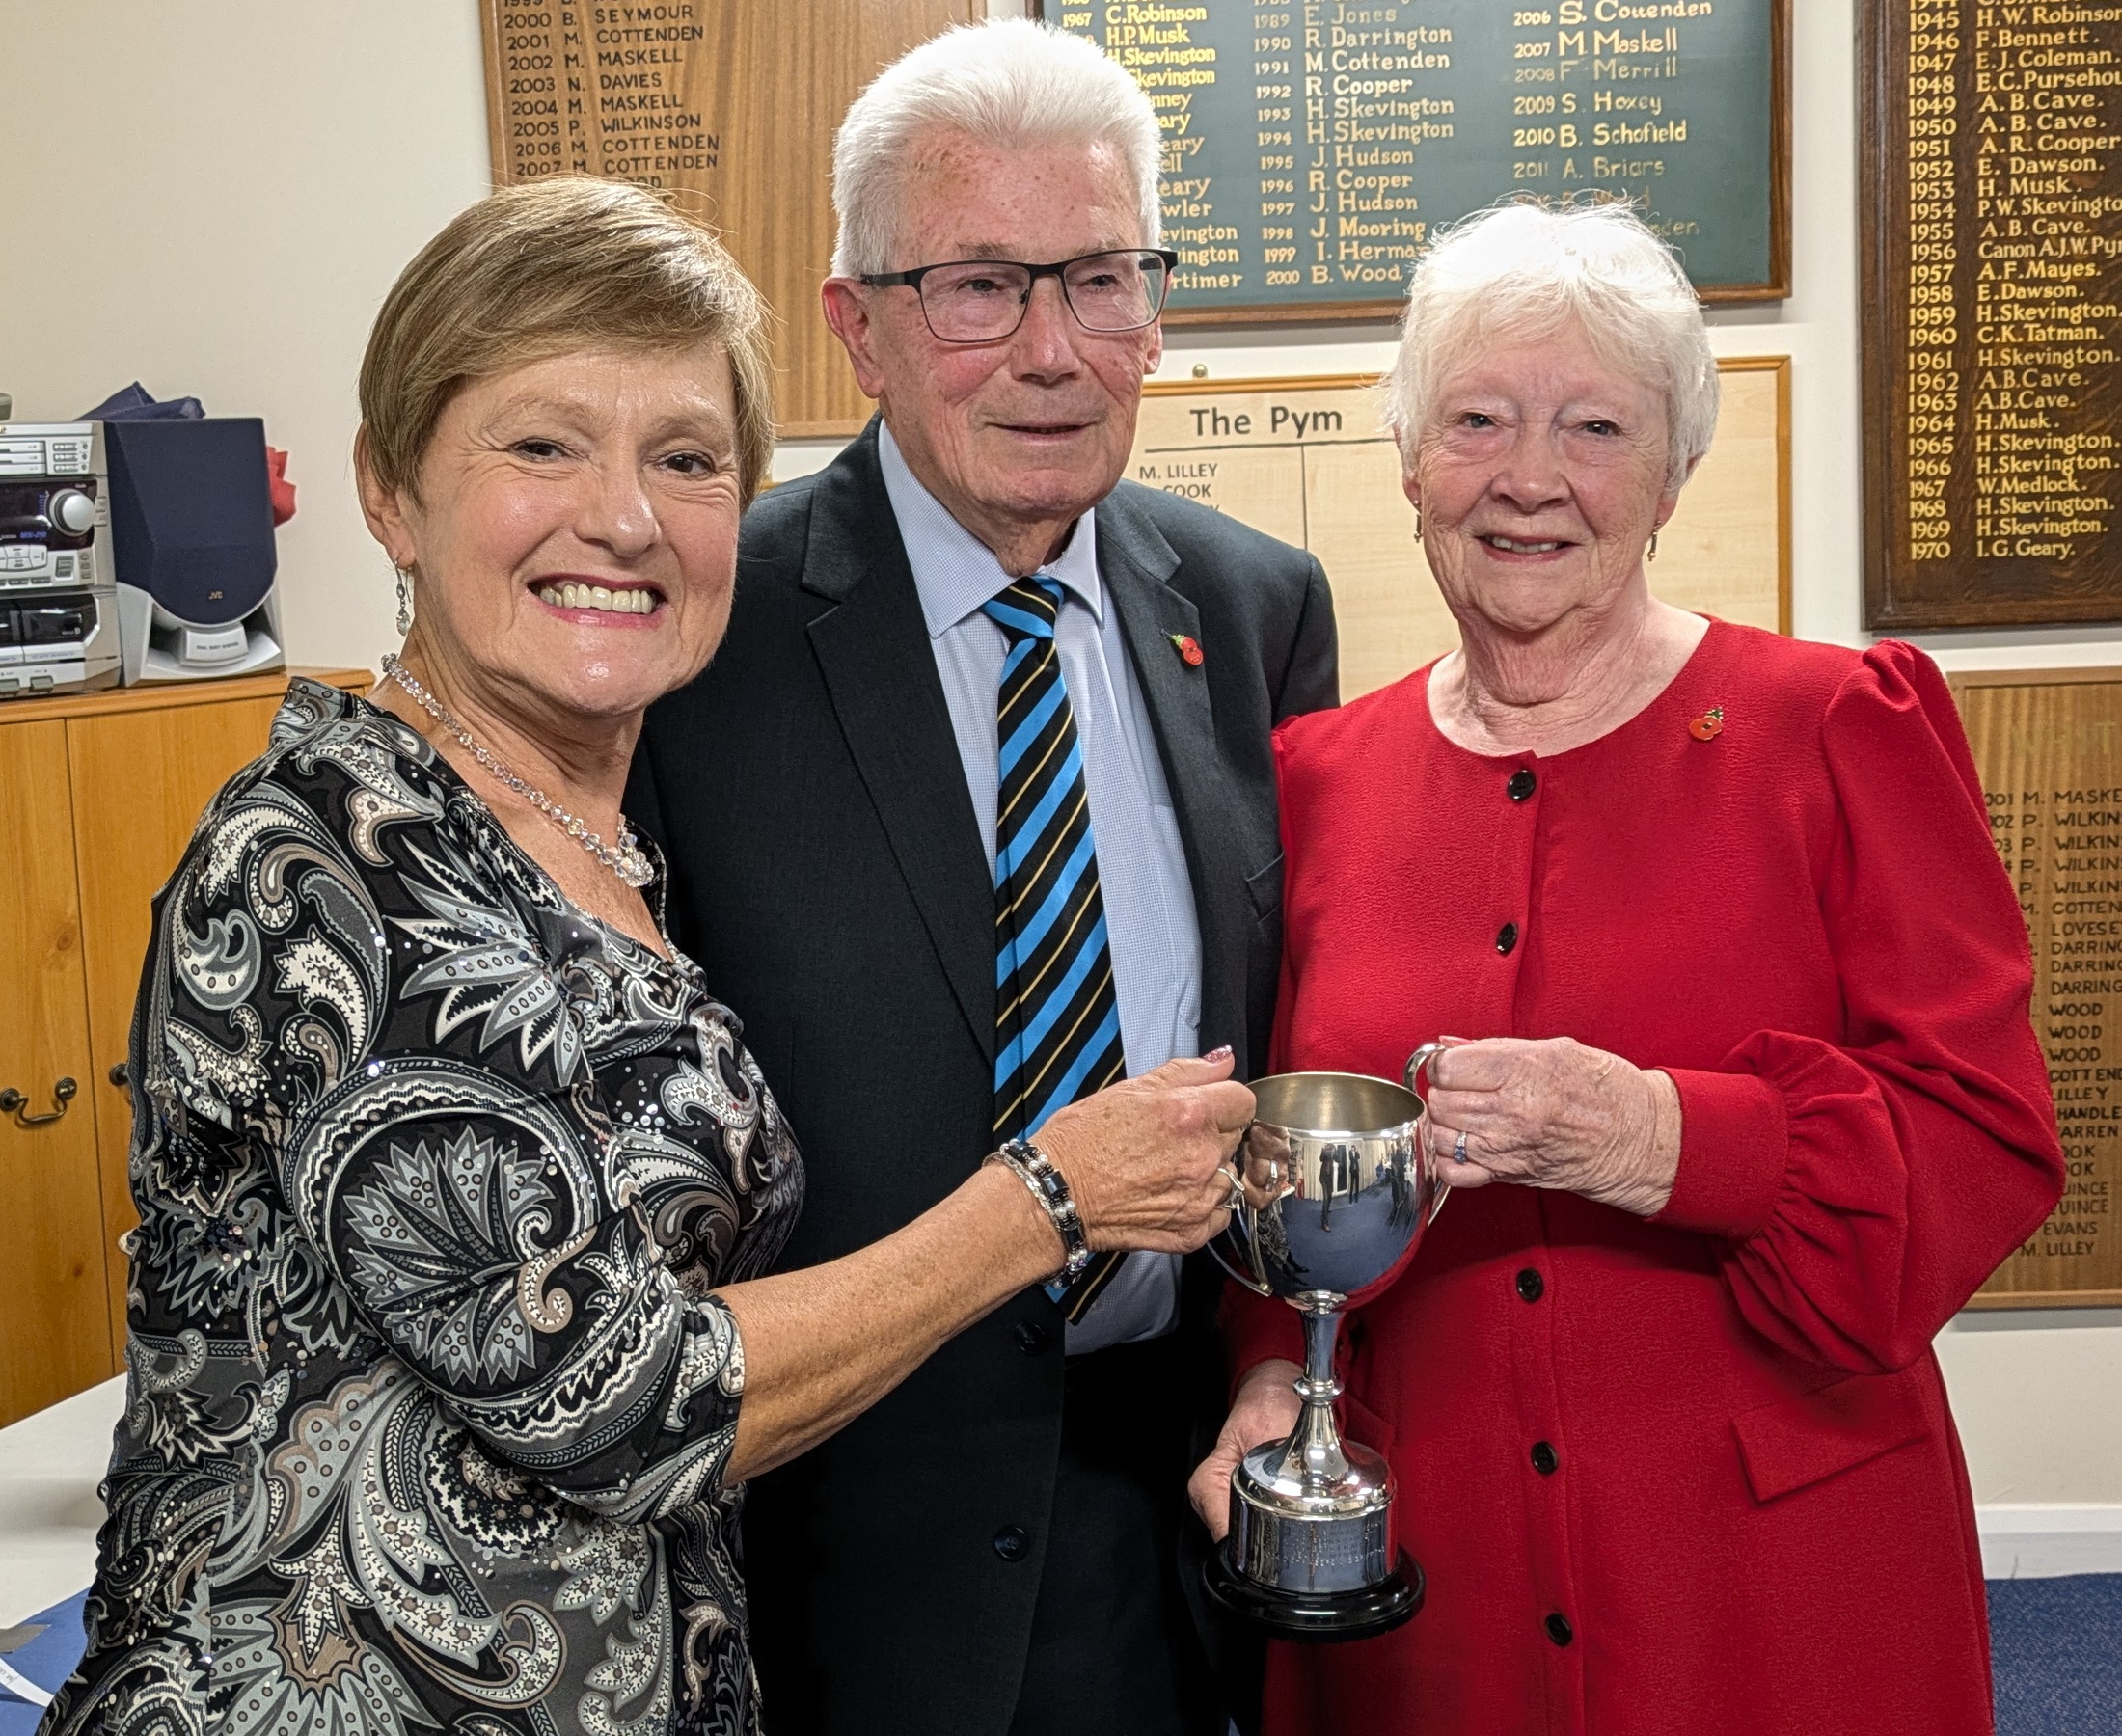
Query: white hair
(1519, 272)
(1010, 84)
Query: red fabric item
(1759, 1521)
(282, 490)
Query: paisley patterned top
(428, 1400)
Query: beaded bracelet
(1051, 1188)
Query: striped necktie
(1056, 1017)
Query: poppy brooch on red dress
(1189, 649)
(1710, 725)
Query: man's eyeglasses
(979, 300)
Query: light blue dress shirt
(1150, 921)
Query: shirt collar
(954, 572)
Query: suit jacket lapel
(1136, 562)
(873, 650)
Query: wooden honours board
(1992, 217)
(2048, 746)
(1308, 461)
(1310, 146)
(729, 104)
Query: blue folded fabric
(48, 1659)
(133, 404)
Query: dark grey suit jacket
(829, 874)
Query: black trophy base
(1321, 1618)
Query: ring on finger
(1458, 1149)
(1236, 1201)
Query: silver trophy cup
(1338, 1191)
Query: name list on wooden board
(1993, 312)
(728, 105)
(1311, 146)
(2047, 744)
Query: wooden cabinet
(55, 1335)
(99, 795)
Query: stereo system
(57, 594)
(135, 551)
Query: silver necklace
(626, 858)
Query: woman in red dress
(1751, 1103)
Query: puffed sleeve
(351, 986)
(1860, 1192)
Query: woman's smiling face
(1540, 474)
(575, 538)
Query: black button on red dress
(1507, 938)
(1559, 1629)
(1531, 1285)
(1544, 1458)
(1522, 784)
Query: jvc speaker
(192, 534)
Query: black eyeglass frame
(911, 279)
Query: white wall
(213, 199)
(243, 179)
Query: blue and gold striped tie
(1056, 1017)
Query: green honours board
(1310, 146)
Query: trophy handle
(1418, 1064)
(1255, 1277)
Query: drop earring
(405, 600)
(1418, 523)
(1651, 552)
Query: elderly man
(975, 814)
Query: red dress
(1755, 1516)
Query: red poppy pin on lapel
(1189, 649)
(1710, 725)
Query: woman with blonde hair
(449, 1348)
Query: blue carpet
(2057, 1645)
(2056, 1649)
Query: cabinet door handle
(14, 1102)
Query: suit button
(1013, 1540)
(1507, 938)
(1031, 1337)
(1521, 785)
(1544, 1458)
(1559, 1629)
(1531, 1285)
